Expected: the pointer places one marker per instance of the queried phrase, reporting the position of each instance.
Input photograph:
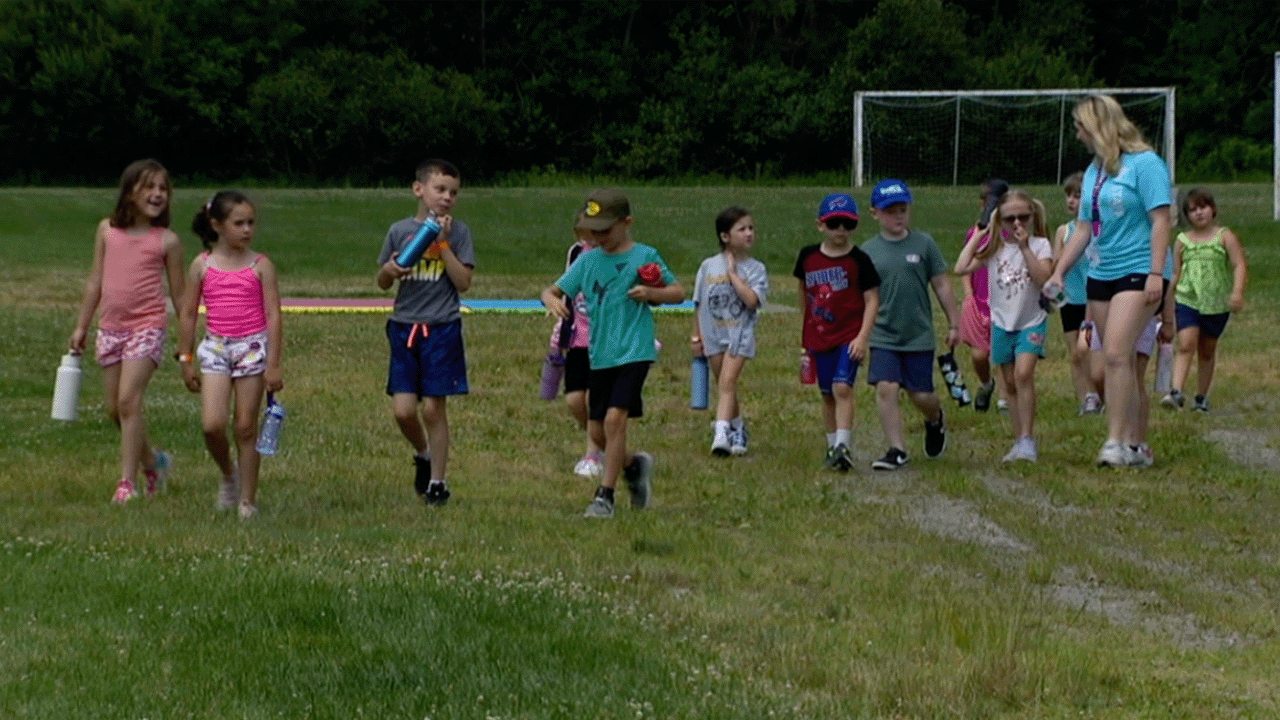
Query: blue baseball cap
(838, 205)
(889, 192)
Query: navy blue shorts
(834, 366)
(577, 370)
(1210, 325)
(427, 361)
(618, 387)
(912, 370)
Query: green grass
(754, 587)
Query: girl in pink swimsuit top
(240, 354)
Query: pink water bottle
(808, 371)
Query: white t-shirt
(1015, 299)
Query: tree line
(356, 91)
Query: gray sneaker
(738, 441)
(600, 509)
(639, 477)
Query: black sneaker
(437, 493)
(844, 459)
(935, 437)
(1202, 404)
(421, 475)
(892, 460)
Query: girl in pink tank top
(240, 354)
(133, 251)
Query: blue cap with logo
(889, 192)
(838, 205)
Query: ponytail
(218, 208)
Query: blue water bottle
(422, 240)
(699, 378)
(272, 424)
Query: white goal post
(953, 137)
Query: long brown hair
(138, 172)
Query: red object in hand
(651, 275)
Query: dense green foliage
(354, 91)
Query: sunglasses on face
(840, 222)
(1025, 219)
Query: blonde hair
(1110, 131)
(1039, 225)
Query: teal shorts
(1008, 344)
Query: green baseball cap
(603, 210)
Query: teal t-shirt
(905, 320)
(621, 328)
(1123, 243)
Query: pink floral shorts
(114, 346)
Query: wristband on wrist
(696, 338)
(184, 357)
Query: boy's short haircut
(889, 192)
(435, 166)
(1072, 185)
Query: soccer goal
(955, 137)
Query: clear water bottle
(66, 391)
(422, 240)
(699, 381)
(272, 424)
(1164, 368)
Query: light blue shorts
(1008, 344)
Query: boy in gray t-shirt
(428, 362)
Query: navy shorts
(1210, 325)
(617, 387)
(834, 366)
(577, 370)
(427, 361)
(912, 370)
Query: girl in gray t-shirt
(729, 290)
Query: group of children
(862, 305)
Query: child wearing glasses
(840, 288)
(902, 342)
(975, 311)
(1018, 263)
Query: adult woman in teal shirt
(1124, 209)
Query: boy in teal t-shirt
(902, 342)
(619, 280)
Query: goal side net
(963, 137)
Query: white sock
(831, 440)
(843, 436)
(722, 427)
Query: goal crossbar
(1060, 96)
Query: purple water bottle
(422, 240)
(552, 374)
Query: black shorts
(1072, 317)
(1104, 290)
(577, 370)
(617, 387)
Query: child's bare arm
(173, 266)
(553, 300)
(92, 290)
(947, 299)
(870, 308)
(275, 330)
(188, 309)
(1239, 269)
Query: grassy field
(754, 587)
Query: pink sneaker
(124, 492)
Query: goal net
(962, 137)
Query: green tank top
(1206, 280)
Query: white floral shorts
(234, 356)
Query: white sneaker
(589, 466)
(1002, 405)
(1023, 449)
(1141, 456)
(720, 446)
(1113, 454)
(229, 493)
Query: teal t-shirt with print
(1123, 243)
(621, 328)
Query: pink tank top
(132, 281)
(233, 300)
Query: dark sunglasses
(1025, 219)
(841, 222)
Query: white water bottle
(272, 424)
(66, 391)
